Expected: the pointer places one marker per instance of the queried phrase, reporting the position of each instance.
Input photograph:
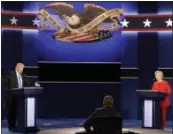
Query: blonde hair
(108, 101)
(19, 64)
(158, 71)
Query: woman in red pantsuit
(162, 86)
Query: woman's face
(158, 76)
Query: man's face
(19, 68)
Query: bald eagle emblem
(93, 24)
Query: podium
(26, 108)
(151, 111)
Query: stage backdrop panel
(32, 44)
(71, 100)
(79, 72)
(75, 89)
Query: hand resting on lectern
(37, 84)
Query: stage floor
(70, 126)
(125, 130)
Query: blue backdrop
(30, 46)
(48, 49)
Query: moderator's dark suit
(100, 113)
(11, 105)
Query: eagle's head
(73, 20)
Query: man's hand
(37, 84)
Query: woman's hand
(155, 91)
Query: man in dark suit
(14, 79)
(106, 111)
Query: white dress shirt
(19, 80)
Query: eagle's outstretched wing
(92, 11)
(61, 9)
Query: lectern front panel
(30, 111)
(148, 113)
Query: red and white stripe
(77, 37)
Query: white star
(124, 23)
(14, 21)
(36, 22)
(147, 23)
(169, 23)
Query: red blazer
(163, 87)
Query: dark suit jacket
(99, 113)
(12, 82)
